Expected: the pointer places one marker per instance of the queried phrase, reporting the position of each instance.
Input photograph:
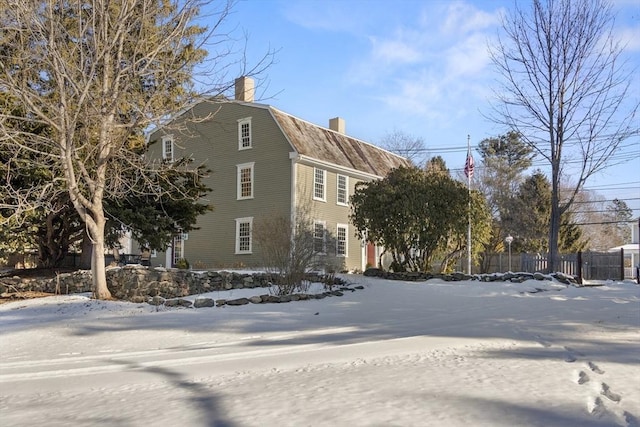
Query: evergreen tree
(532, 210)
(417, 216)
(617, 220)
(530, 219)
(505, 159)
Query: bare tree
(564, 90)
(405, 145)
(96, 75)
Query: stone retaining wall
(137, 283)
(453, 277)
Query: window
(245, 181)
(243, 235)
(178, 248)
(167, 147)
(319, 178)
(343, 192)
(341, 240)
(319, 240)
(244, 133)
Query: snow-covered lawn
(393, 354)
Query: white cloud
(464, 18)
(436, 69)
(469, 56)
(334, 16)
(629, 38)
(394, 51)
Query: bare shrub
(289, 250)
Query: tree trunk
(554, 221)
(98, 268)
(87, 252)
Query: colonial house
(266, 162)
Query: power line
(598, 223)
(611, 200)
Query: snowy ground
(394, 354)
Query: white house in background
(631, 249)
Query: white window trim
(243, 221)
(239, 169)
(177, 240)
(324, 185)
(346, 240)
(346, 190)
(246, 120)
(165, 139)
(324, 236)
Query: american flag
(468, 166)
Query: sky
(419, 67)
(394, 353)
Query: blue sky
(420, 67)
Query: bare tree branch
(564, 87)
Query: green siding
(330, 211)
(214, 142)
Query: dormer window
(244, 134)
(167, 148)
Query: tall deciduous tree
(564, 89)
(95, 74)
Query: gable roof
(329, 146)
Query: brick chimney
(244, 89)
(337, 124)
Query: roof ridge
(343, 135)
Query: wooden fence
(585, 265)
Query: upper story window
(245, 181)
(319, 179)
(167, 147)
(343, 190)
(243, 235)
(319, 239)
(341, 239)
(244, 134)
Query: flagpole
(469, 207)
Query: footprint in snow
(596, 407)
(631, 420)
(595, 368)
(606, 392)
(583, 377)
